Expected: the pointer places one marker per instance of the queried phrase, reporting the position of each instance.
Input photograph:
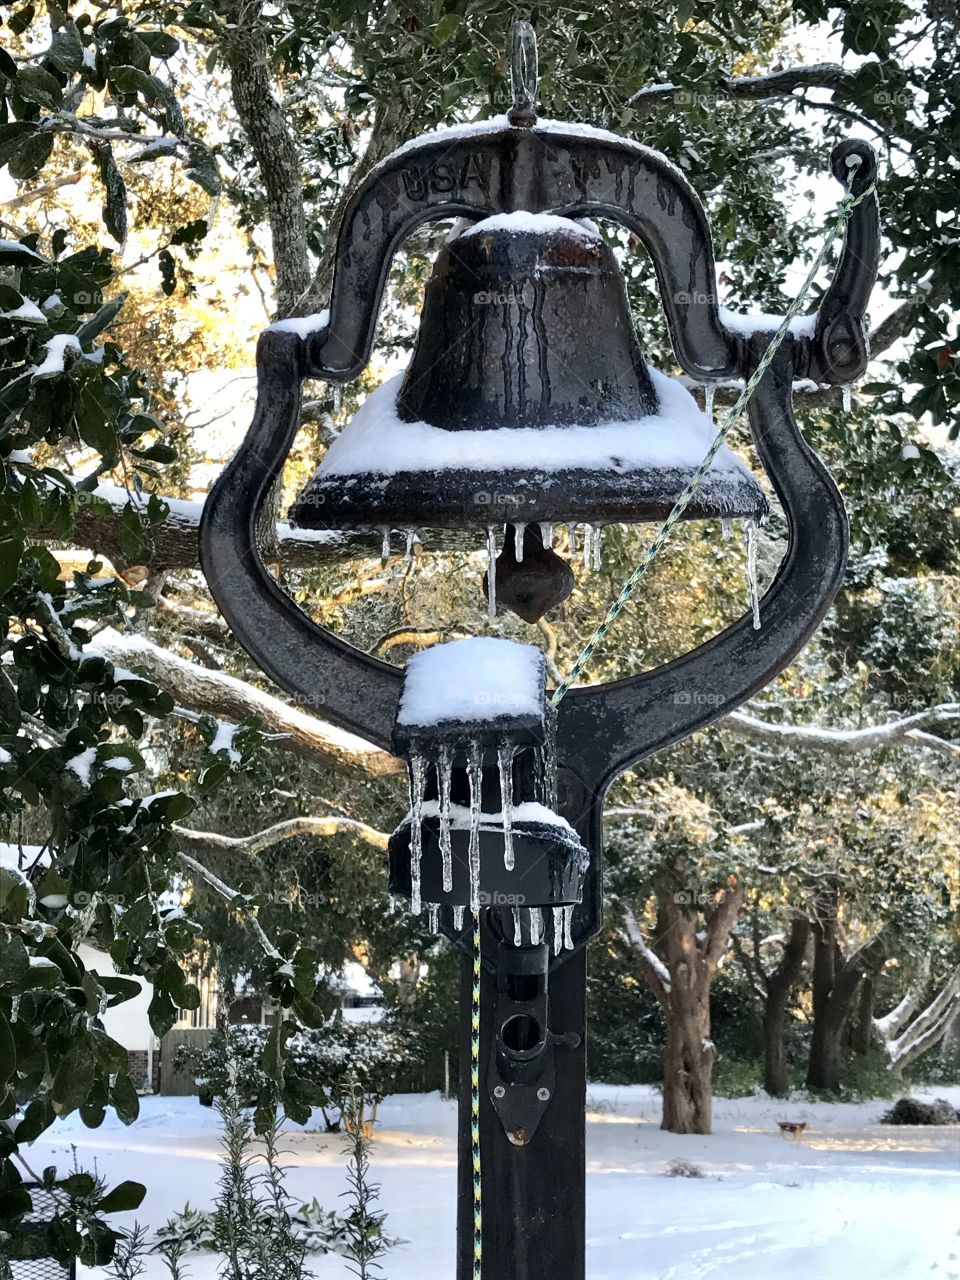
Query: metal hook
(523, 75)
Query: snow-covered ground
(853, 1199)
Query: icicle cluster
(528, 926)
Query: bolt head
(543, 1095)
(499, 1091)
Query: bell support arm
(545, 168)
(604, 729)
(320, 672)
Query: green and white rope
(475, 1104)
(844, 209)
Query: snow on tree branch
(908, 731)
(904, 1039)
(280, 831)
(656, 971)
(221, 887)
(227, 698)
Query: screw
(499, 1091)
(543, 1095)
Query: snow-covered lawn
(854, 1200)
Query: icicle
(597, 545)
(572, 539)
(847, 395)
(550, 770)
(539, 781)
(473, 848)
(337, 397)
(568, 928)
(750, 529)
(587, 540)
(417, 783)
(458, 918)
(433, 913)
(709, 391)
(726, 528)
(505, 764)
(444, 770)
(535, 917)
(519, 531)
(557, 930)
(411, 536)
(546, 535)
(385, 544)
(517, 928)
(491, 572)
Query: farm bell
(527, 404)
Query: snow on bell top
(527, 399)
(481, 690)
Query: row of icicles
(591, 543)
(545, 790)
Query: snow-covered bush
(326, 1062)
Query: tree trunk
(862, 1036)
(688, 1065)
(779, 986)
(824, 974)
(835, 983)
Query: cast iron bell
(527, 402)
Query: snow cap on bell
(527, 399)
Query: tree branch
(721, 921)
(654, 971)
(219, 886)
(263, 122)
(844, 741)
(280, 831)
(775, 84)
(224, 696)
